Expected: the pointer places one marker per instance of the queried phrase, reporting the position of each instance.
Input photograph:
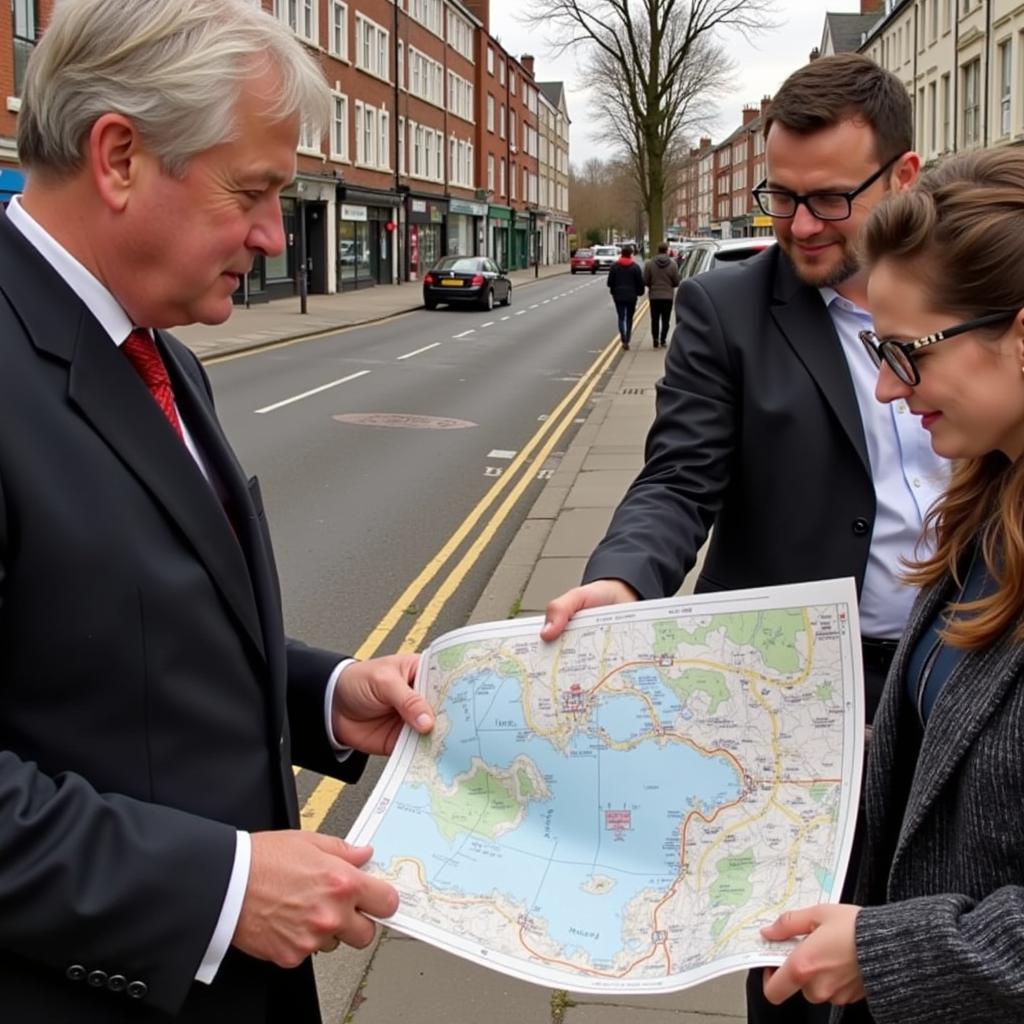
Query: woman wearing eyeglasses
(939, 934)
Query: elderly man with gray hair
(151, 706)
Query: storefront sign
(419, 206)
(353, 212)
(472, 209)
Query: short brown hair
(846, 87)
(958, 234)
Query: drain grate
(637, 391)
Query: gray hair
(174, 67)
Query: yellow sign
(762, 222)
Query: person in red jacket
(626, 283)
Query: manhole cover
(401, 419)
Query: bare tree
(658, 66)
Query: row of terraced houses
(440, 143)
(962, 62)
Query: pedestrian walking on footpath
(152, 868)
(626, 283)
(767, 427)
(661, 275)
(936, 927)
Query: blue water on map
(615, 813)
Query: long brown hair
(960, 234)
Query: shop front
(466, 228)
(11, 183)
(521, 247)
(500, 241)
(307, 207)
(425, 233)
(365, 237)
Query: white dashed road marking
(314, 391)
(426, 348)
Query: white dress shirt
(907, 474)
(113, 319)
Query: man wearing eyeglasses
(767, 427)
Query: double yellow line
(516, 479)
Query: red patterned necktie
(142, 353)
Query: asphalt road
(373, 445)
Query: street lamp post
(301, 209)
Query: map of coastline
(625, 808)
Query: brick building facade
(415, 164)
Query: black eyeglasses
(783, 204)
(899, 355)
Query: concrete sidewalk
(402, 979)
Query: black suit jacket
(150, 704)
(758, 433)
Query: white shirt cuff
(340, 752)
(229, 911)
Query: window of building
(945, 113)
(972, 102)
(25, 27)
(933, 118)
(511, 81)
(339, 126)
(1005, 82)
(338, 44)
(933, 22)
(372, 48)
(490, 113)
(460, 35)
(308, 139)
(401, 64)
(920, 121)
(426, 78)
(512, 181)
(428, 13)
(512, 129)
(501, 73)
(460, 96)
(501, 178)
(299, 15)
(490, 172)
(490, 61)
(401, 145)
(501, 121)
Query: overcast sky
(761, 65)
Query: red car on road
(583, 261)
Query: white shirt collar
(98, 300)
(830, 295)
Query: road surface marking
(308, 394)
(426, 348)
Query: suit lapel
(801, 316)
(194, 404)
(114, 400)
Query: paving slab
(550, 577)
(721, 996)
(577, 531)
(416, 983)
(602, 488)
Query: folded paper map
(623, 809)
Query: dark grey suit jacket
(757, 432)
(941, 937)
(149, 702)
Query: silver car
(605, 256)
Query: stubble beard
(829, 277)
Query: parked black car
(475, 279)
